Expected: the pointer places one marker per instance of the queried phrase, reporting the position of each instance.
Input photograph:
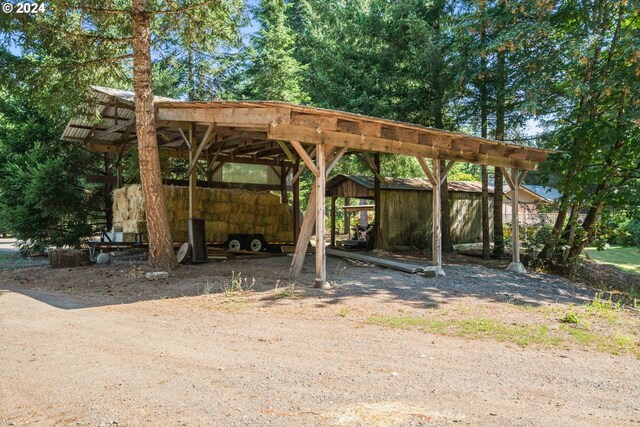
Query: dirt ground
(102, 345)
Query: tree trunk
(549, 247)
(438, 116)
(484, 114)
(571, 228)
(161, 254)
(192, 77)
(588, 227)
(498, 230)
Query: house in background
(530, 202)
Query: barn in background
(406, 208)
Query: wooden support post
(515, 266)
(436, 246)
(377, 229)
(283, 185)
(193, 184)
(347, 218)
(119, 176)
(296, 201)
(304, 236)
(320, 185)
(333, 221)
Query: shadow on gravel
(124, 283)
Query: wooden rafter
(366, 160)
(335, 159)
(446, 170)
(102, 134)
(305, 157)
(427, 170)
(205, 140)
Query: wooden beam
(110, 147)
(118, 127)
(283, 185)
(382, 262)
(227, 116)
(508, 178)
(333, 222)
(515, 265)
(228, 185)
(275, 171)
(217, 168)
(523, 175)
(300, 170)
(336, 158)
(286, 151)
(193, 184)
(436, 245)
(347, 218)
(296, 201)
(427, 170)
(305, 158)
(212, 161)
(377, 233)
(364, 158)
(446, 170)
(304, 236)
(389, 146)
(320, 189)
(184, 137)
(205, 140)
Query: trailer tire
(234, 242)
(256, 243)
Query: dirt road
(196, 361)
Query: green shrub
(621, 228)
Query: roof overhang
(262, 131)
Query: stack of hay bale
(224, 211)
(128, 209)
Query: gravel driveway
(102, 346)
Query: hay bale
(67, 258)
(225, 212)
(245, 198)
(267, 199)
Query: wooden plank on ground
(381, 262)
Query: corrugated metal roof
(79, 128)
(413, 184)
(548, 193)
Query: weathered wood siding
(407, 218)
(351, 189)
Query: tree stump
(66, 258)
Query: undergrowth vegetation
(601, 324)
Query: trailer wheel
(256, 243)
(233, 243)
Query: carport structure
(291, 138)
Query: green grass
(625, 258)
(471, 328)
(559, 335)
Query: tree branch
(102, 10)
(107, 59)
(182, 9)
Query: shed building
(406, 208)
(289, 138)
